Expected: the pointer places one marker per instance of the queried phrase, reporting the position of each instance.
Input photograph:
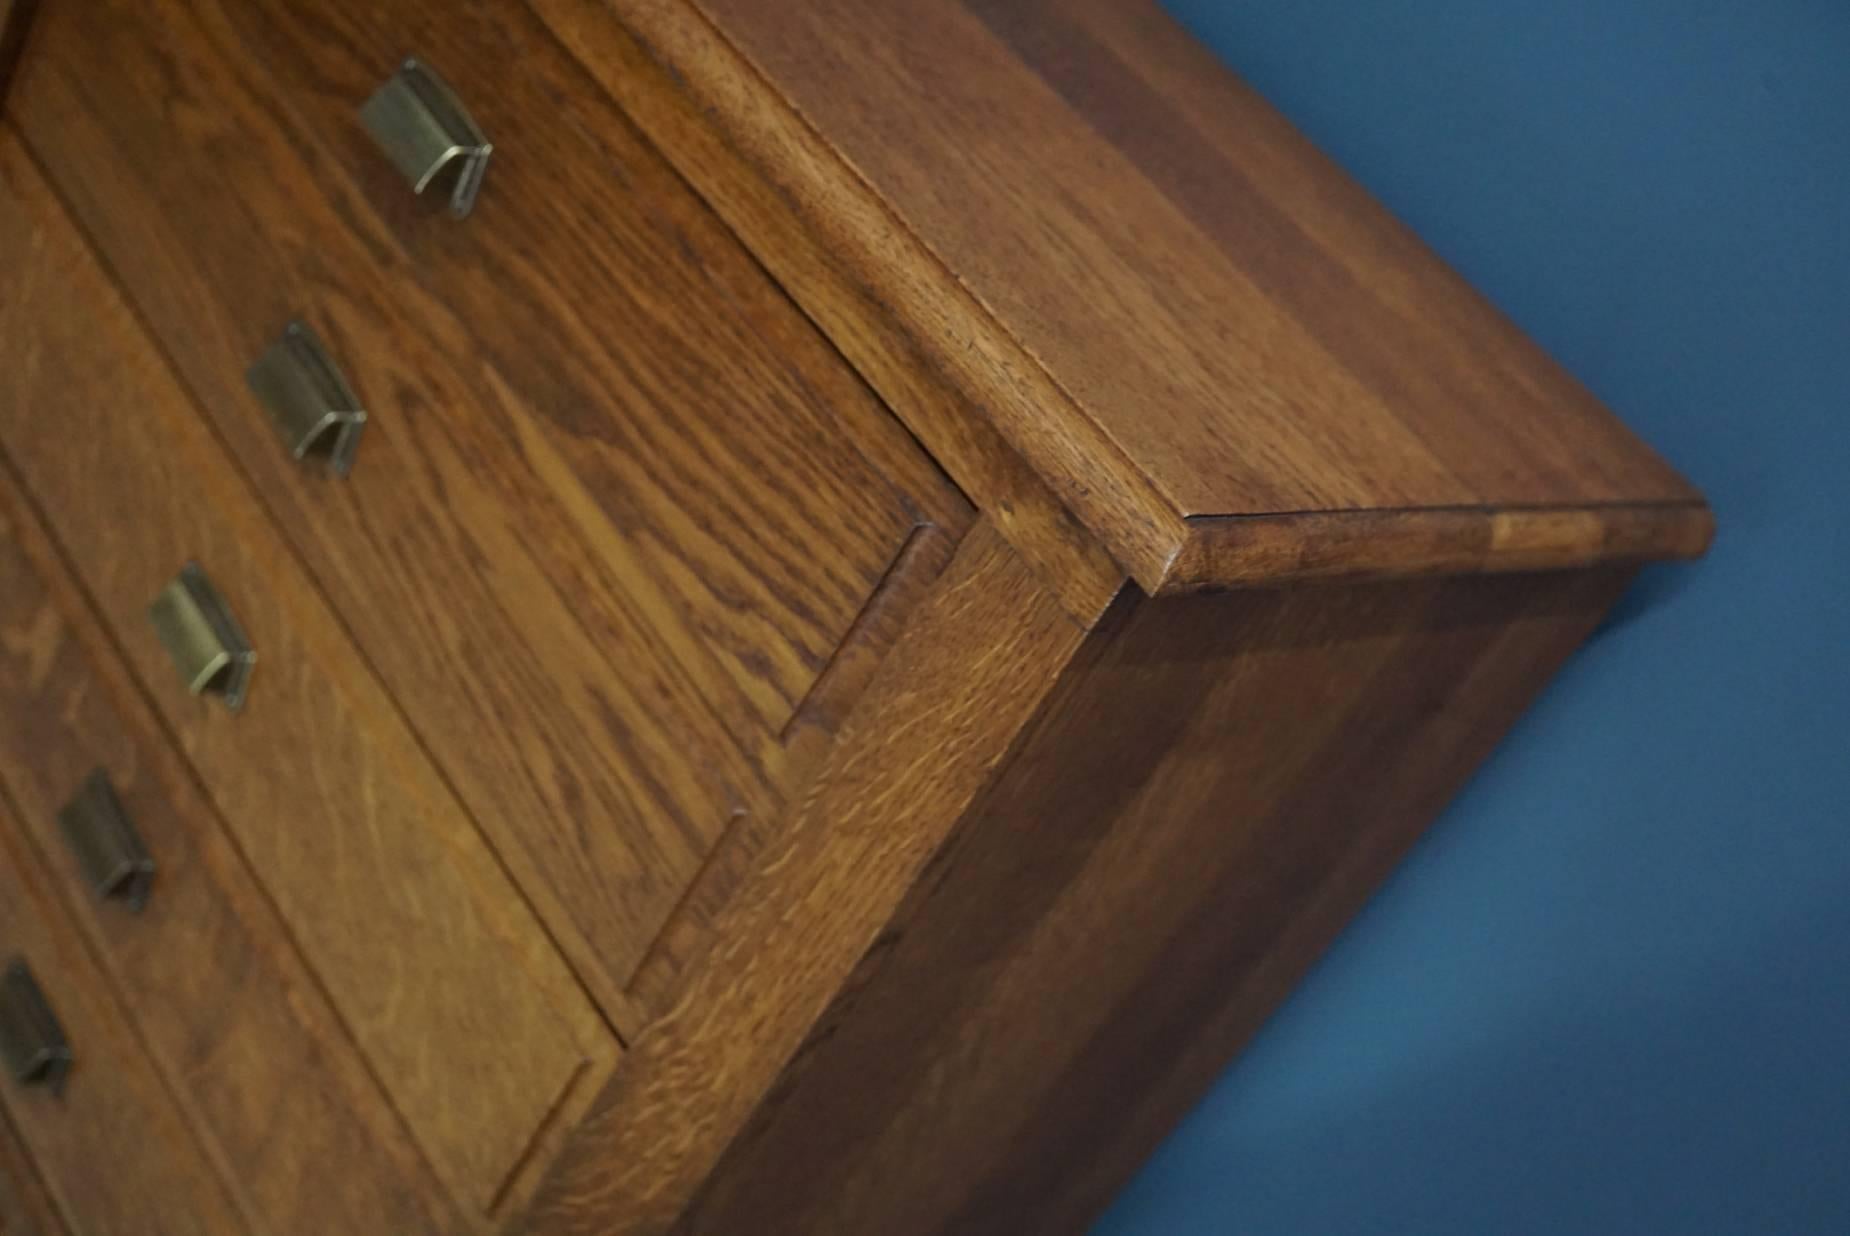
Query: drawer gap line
(95, 639)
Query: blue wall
(1611, 993)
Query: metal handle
(32, 1043)
(109, 851)
(204, 640)
(312, 406)
(423, 128)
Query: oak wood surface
(552, 518)
(758, 174)
(1350, 544)
(1158, 291)
(1205, 800)
(974, 662)
(689, 932)
(25, 1210)
(425, 947)
(111, 1150)
(240, 1030)
(767, 488)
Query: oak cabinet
(787, 618)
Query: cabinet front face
(452, 991)
(619, 515)
(201, 960)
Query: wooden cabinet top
(1225, 359)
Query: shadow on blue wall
(1611, 993)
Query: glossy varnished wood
(240, 1030)
(427, 950)
(1015, 183)
(1205, 800)
(973, 664)
(614, 485)
(112, 1151)
(927, 860)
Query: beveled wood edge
(1329, 546)
(893, 308)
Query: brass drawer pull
(204, 640)
(32, 1043)
(310, 403)
(108, 850)
(423, 128)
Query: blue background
(1611, 992)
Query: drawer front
(234, 1022)
(619, 509)
(456, 997)
(111, 1148)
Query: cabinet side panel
(1209, 797)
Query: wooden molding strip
(1353, 545)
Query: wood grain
(429, 953)
(1211, 793)
(112, 1150)
(239, 1029)
(975, 661)
(761, 175)
(760, 480)
(1347, 545)
(1160, 293)
(25, 1210)
(504, 548)
(812, 732)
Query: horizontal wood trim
(1358, 545)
